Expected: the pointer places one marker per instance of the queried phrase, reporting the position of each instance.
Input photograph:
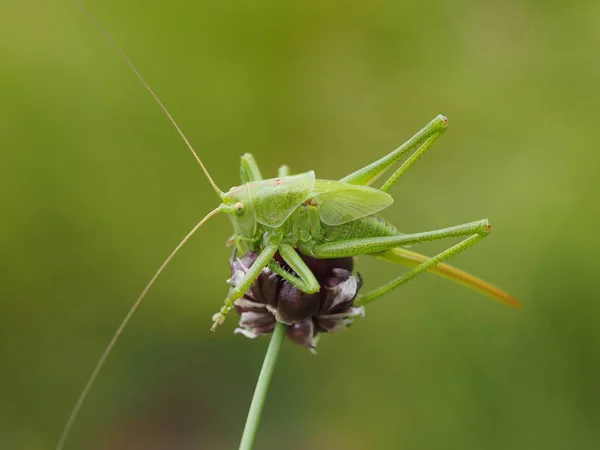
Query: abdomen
(370, 226)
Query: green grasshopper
(319, 218)
(334, 219)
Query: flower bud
(272, 299)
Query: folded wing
(339, 203)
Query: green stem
(262, 386)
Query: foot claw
(219, 318)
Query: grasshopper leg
(246, 282)
(421, 268)
(283, 171)
(305, 281)
(410, 161)
(422, 141)
(249, 170)
(361, 246)
(475, 231)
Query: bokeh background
(97, 188)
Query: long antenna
(147, 86)
(124, 323)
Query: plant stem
(262, 386)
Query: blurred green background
(97, 188)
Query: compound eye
(239, 208)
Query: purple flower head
(272, 299)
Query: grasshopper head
(240, 212)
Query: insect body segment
(273, 201)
